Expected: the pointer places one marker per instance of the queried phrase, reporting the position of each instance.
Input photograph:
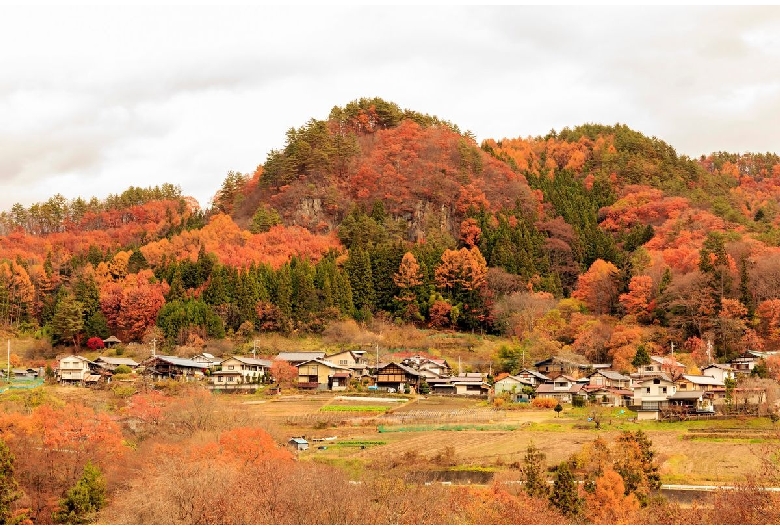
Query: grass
(360, 442)
(354, 467)
(426, 428)
(355, 408)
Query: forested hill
(589, 241)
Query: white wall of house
(73, 368)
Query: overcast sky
(96, 99)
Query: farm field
(448, 432)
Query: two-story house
(563, 388)
(439, 367)
(397, 377)
(251, 370)
(207, 359)
(73, 369)
(745, 363)
(354, 360)
(609, 379)
(110, 364)
(660, 364)
(510, 384)
(652, 394)
(295, 357)
(531, 378)
(720, 372)
(172, 367)
(609, 388)
(319, 374)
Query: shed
(300, 444)
(111, 341)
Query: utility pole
(672, 348)
(154, 347)
(254, 349)
(377, 356)
(8, 366)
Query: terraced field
(473, 436)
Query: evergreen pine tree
(9, 489)
(535, 483)
(361, 280)
(641, 358)
(84, 500)
(565, 496)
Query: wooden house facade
(397, 377)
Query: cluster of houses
(660, 385)
(655, 388)
(317, 370)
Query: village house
(745, 363)
(692, 401)
(73, 369)
(171, 367)
(553, 366)
(295, 357)
(207, 359)
(700, 382)
(110, 364)
(563, 388)
(23, 374)
(439, 385)
(471, 384)
(659, 364)
(397, 377)
(608, 379)
(609, 388)
(319, 374)
(610, 397)
(652, 394)
(354, 360)
(225, 378)
(532, 378)
(249, 369)
(511, 384)
(439, 367)
(720, 372)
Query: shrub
(95, 343)
(122, 369)
(544, 402)
(122, 391)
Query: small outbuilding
(111, 341)
(299, 444)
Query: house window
(219, 379)
(647, 390)
(663, 389)
(343, 362)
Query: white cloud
(95, 99)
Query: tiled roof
(703, 380)
(299, 356)
(117, 361)
(178, 361)
(549, 388)
(611, 374)
(252, 361)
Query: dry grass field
(458, 433)
(466, 434)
